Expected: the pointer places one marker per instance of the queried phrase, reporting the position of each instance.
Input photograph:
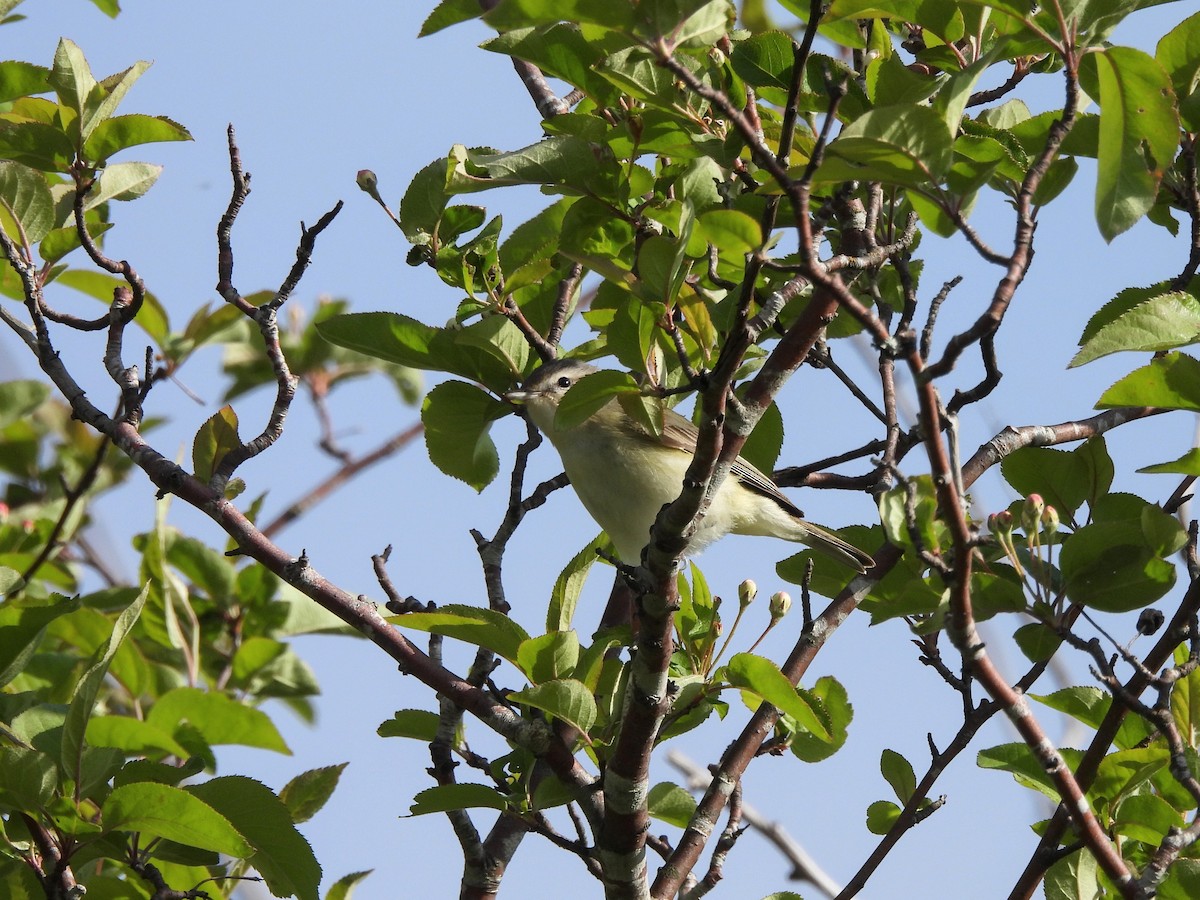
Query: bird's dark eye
(564, 382)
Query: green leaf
(1019, 760)
(1183, 881)
(731, 231)
(123, 181)
(1110, 566)
(308, 792)
(160, 810)
(217, 718)
(590, 393)
(400, 339)
(1037, 641)
(549, 656)
(28, 778)
(765, 60)
(114, 135)
(37, 144)
(19, 398)
(500, 338)
(411, 723)
(565, 594)
(881, 815)
(1074, 877)
(762, 678)
(902, 144)
(483, 627)
(510, 14)
(72, 79)
(22, 79)
(1179, 54)
(1139, 133)
(559, 50)
(26, 198)
(765, 442)
(100, 285)
(446, 797)
(1170, 382)
(105, 97)
(134, 736)
(894, 515)
(836, 711)
(1066, 480)
(281, 854)
(83, 699)
(563, 698)
(445, 14)
(343, 888)
(1146, 818)
(1164, 322)
(21, 630)
(213, 442)
(1188, 464)
(898, 772)
(458, 418)
(670, 803)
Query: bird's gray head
(548, 384)
(545, 388)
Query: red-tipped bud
(1031, 513)
(1050, 520)
(1001, 524)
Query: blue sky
(318, 91)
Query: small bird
(624, 474)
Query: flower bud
(747, 591)
(781, 602)
(1050, 520)
(1031, 514)
(367, 181)
(1001, 524)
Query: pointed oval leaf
(549, 656)
(458, 418)
(762, 678)
(217, 718)
(1164, 322)
(670, 803)
(446, 797)
(1139, 133)
(1169, 382)
(308, 792)
(902, 144)
(121, 132)
(475, 625)
(160, 810)
(281, 854)
(563, 698)
(26, 198)
(213, 442)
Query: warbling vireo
(624, 474)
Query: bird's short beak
(517, 397)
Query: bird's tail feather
(833, 546)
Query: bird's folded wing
(680, 434)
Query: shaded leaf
(670, 803)
(446, 797)
(160, 810)
(475, 625)
(563, 698)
